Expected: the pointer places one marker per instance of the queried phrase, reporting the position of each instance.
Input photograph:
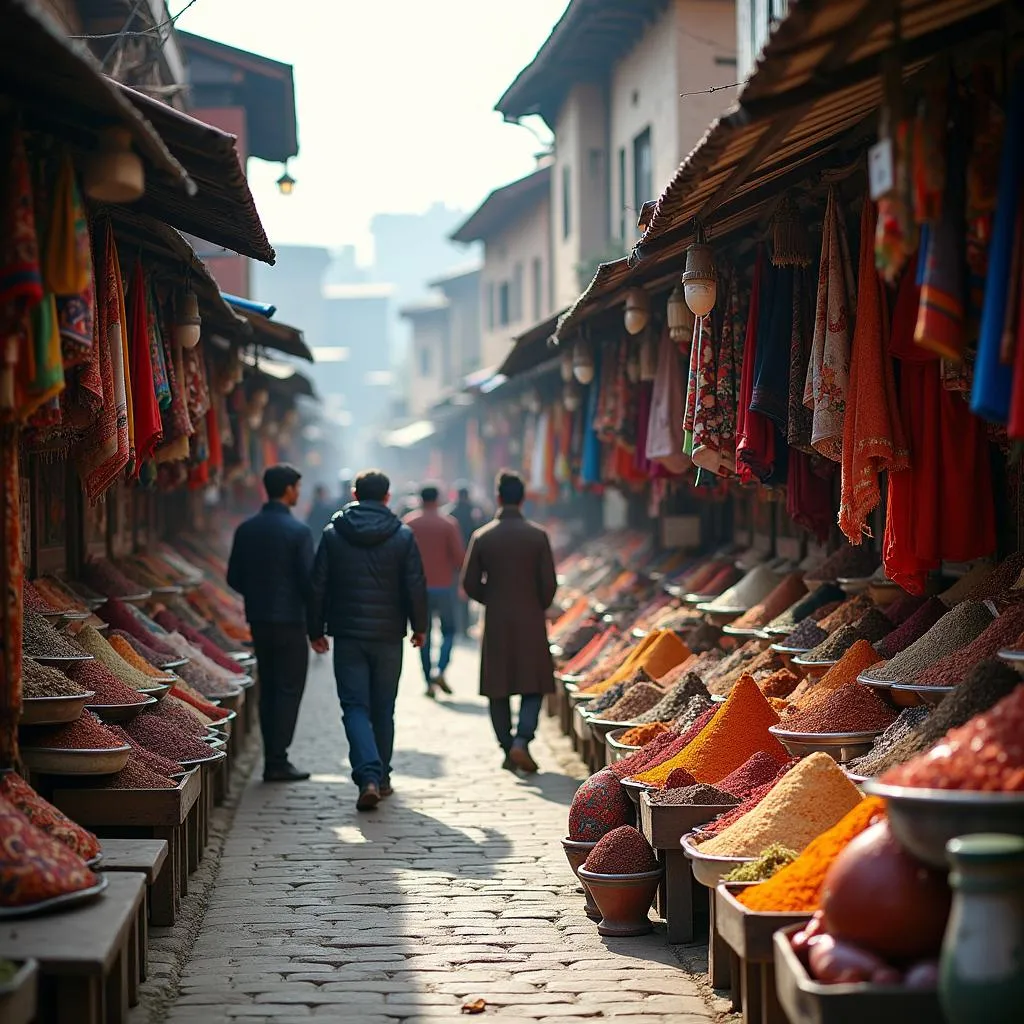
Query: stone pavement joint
(455, 889)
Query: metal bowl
(121, 712)
(905, 695)
(53, 710)
(747, 632)
(616, 750)
(840, 746)
(812, 669)
(157, 690)
(634, 789)
(1012, 657)
(924, 820)
(60, 662)
(54, 761)
(601, 727)
(708, 870)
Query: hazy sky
(394, 102)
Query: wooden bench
(149, 857)
(85, 954)
(166, 814)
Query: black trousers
(282, 654)
(529, 715)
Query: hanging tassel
(790, 244)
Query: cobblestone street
(455, 889)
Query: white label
(881, 171)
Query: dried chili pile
(952, 669)
(40, 640)
(796, 888)
(846, 709)
(599, 806)
(641, 734)
(48, 818)
(166, 739)
(675, 702)
(136, 775)
(42, 681)
(903, 734)
(635, 701)
(758, 770)
(701, 794)
(912, 628)
(108, 689)
(624, 851)
(87, 733)
(807, 635)
(848, 562)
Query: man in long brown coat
(510, 571)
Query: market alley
(455, 890)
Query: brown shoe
(369, 797)
(442, 684)
(386, 789)
(520, 757)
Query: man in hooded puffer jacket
(368, 589)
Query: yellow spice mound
(657, 654)
(812, 797)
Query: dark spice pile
(154, 762)
(610, 696)
(87, 733)
(912, 628)
(847, 613)
(759, 769)
(636, 701)
(848, 562)
(135, 775)
(42, 681)
(599, 806)
(898, 736)
(676, 701)
(956, 629)
(1001, 578)
(679, 778)
(701, 795)
(985, 685)
(622, 852)
(166, 740)
(180, 715)
(849, 708)
(951, 670)
(826, 594)
(108, 689)
(807, 635)
(703, 637)
(108, 580)
(871, 626)
(898, 611)
(40, 640)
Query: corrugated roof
(808, 106)
(587, 40)
(61, 87)
(223, 210)
(503, 206)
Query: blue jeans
(440, 602)
(529, 716)
(367, 675)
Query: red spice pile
(953, 669)
(599, 806)
(48, 818)
(208, 709)
(898, 611)
(87, 733)
(95, 676)
(849, 708)
(166, 739)
(623, 851)
(680, 778)
(760, 769)
(135, 775)
(107, 579)
(912, 629)
(179, 715)
(33, 601)
(154, 762)
(637, 760)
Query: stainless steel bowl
(840, 746)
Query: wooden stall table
(148, 857)
(681, 898)
(139, 813)
(752, 953)
(84, 954)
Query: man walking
(510, 571)
(442, 551)
(322, 510)
(469, 517)
(368, 587)
(270, 564)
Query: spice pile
(641, 734)
(167, 740)
(771, 861)
(87, 733)
(33, 601)
(92, 642)
(624, 851)
(847, 709)
(748, 803)
(911, 629)
(908, 723)
(749, 591)
(951, 670)
(675, 702)
(758, 771)
(848, 563)
(872, 627)
(807, 635)
(791, 588)
(700, 794)
(42, 681)
(807, 607)
(108, 580)
(136, 775)
(40, 640)
(856, 660)
(638, 699)
(133, 658)
(779, 684)
(154, 762)
(107, 689)
(847, 613)
(696, 707)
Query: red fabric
(942, 506)
(148, 427)
(755, 433)
(216, 446)
(809, 492)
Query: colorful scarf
(148, 427)
(800, 419)
(157, 359)
(828, 371)
(665, 425)
(873, 439)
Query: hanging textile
(590, 464)
(11, 570)
(990, 396)
(665, 426)
(177, 427)
(697, 342)
(42, 376)
(148, 427)
(828, 371)
(800, 418)
(157, 357)
(873, 440)
(809, 492)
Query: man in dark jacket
(368, 588)
(322, 510)
(270, 565)
(510, 571)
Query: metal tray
(841, 746)
(71, 899)
(53, 710)
(215, 755)
(634, 789)
(53, 761)
(157, 690)
(708, 870)
(121, 712)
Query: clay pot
(576, 853)
(624, 900)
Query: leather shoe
(520, 757)
(442, 684)
(386, 789)
(288, 773)
(508, 764)
(369, 797)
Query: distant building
(755, 20)
(295, 284)
(429, 354)
(461, 287)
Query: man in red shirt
(441, 548)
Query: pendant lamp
(583, 361)
(114, 173)
(700, 279)
(638, 310)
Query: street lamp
(286, 183)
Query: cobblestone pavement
(456, 889)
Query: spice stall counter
(168, 814)
(749, 937)
(18, 995)
(88, 956)
(148, 857)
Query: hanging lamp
(565, 365)
(638, 310)
(680, 317)
(700, 279)
(188, 324)
(571, 396)
(583, 361)
(114, 172)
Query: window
(566, 202)
(425, 361)
(504, 310)
(538, 289)
(490, 305)
(518, 306)
(643, 171)
(622, 193)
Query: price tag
(881, 169)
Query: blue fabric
(440, 603)
(993, 380)
(590, 466)
(270, 566)
(367, 677)
(529, 715)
